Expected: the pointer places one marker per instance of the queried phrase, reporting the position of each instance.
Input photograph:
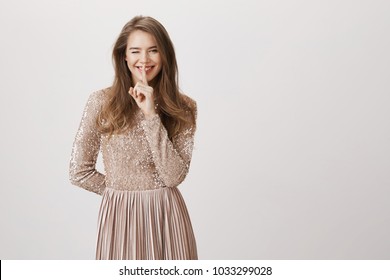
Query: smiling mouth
(147, 68)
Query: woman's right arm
(86, 146)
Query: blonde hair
(117, 113)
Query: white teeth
(146, 68)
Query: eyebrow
(136, 48)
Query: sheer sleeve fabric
(171, 158)
(86, 146)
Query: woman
(145, 128)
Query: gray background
(292, 151)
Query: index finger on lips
(143, 73)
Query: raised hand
(143, 95)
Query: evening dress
(142, 213)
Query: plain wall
(292, 154)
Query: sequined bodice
(128, 160)
(142, 158)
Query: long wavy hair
(117, 113)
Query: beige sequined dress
(142, 213)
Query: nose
(144, 57)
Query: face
(142, 51)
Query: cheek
(130, 65)
(129, 61)
(159, 62)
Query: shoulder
(190, 106)
(97, 98)
(100, 95)
(95, 103)
(188, 101)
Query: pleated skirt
(144, 225)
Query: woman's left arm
(172, 158)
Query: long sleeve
(171, 158)
(86, 146)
